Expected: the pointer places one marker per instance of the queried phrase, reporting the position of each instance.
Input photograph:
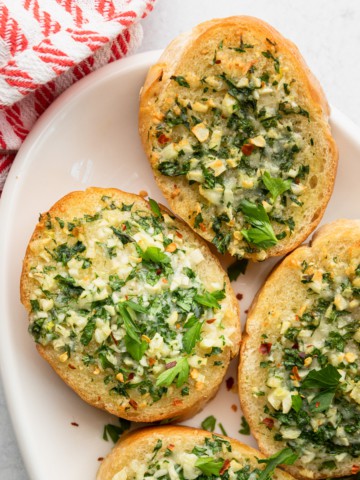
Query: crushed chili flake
(74, 424)
(247, 149)
(202, 227)
(71, 366)
(151, 361)
(115, 341)
(246, 311)
(178, 234)
(131, 376)
(100, 459)
(133, 403)
(295, 373)
(177, 401)
(295, 346)
(217, 62)
(170, 365)
(123, 227)
(211, 320)
(317, 404)
(158, 271)
(265, 348)
(225, 466)
(229, 383)
(355, 469)
(239, 296)
(234, 408)
(163, 139)
(269, 422)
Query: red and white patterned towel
(46, 46)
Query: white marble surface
(328, 35)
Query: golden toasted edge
(327, 233)
(79, 203)
(124, 450)
(166, 67)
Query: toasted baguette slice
(236, 129)
(128, 305)
(302, 346)
(175, 449)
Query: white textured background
(328, 35)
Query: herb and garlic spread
(313, 367)
(119, 293)
(210, 458)
(238, 137)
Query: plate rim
(11, 189)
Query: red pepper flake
(71, 366)
(239, 296)
(151, 361)
(171, 446)
(178, 234)
(158, 271)
(229, 383)
(225, 466)
(247, 149)
(265, 348)
(133, 403)
(246, 311)
(234, 408)
(355, 469)
(317, 404)
(217, 62)
(123, 227)
(170, 365)
(295, 373)
(163, 139)
(211, 320)
(269, 422)
(177, 401)
(130, 376)
(100, 459)
(202, 227)
(295, 346)
(74, 424)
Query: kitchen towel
(46, 46)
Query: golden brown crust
(140, 442)
(89, 385)
(330, 240)
(154, 93)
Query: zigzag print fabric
(46, 46)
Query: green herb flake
(135, 349)
(285, 457)
(154, 254)
(276, 186)
(192, 335)
(209, 466)
(245, 428)
(237, 268)
(296, 403)
(180, 80)
(155, 208)
(223, 431)
(115, 431)
(261, 233)
(209, 423)
(179, 371)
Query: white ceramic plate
(88, 137)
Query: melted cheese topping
(321, 420)
(242, 123)
(213, 457)
(119, 292)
